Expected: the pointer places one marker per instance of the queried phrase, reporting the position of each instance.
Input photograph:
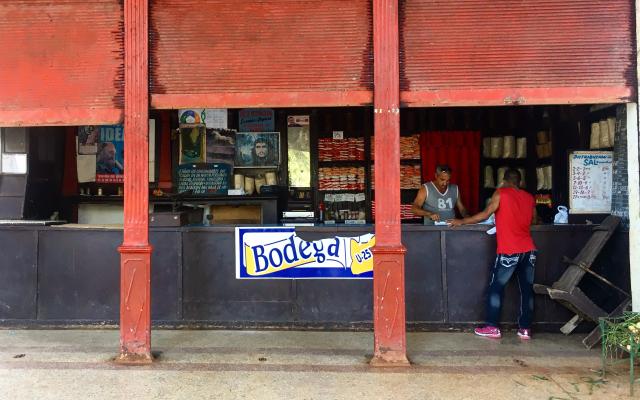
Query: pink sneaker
(524, 334)
(488, 331)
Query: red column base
(389, 327)
(135, 305)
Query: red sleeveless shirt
(513, 221)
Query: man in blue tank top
(437, 199)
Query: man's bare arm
(482, 215)
(416, 207)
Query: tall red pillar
(135, 251)
(388, 261)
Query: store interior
(319, 166)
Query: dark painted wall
(58, 275)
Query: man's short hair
(443, 168)
(512, 175)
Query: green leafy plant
(622, 333)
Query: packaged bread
(488, 177)
(594, 143)
(604, 133)
(539, 178)
(611, 122)
(521, 147)
(509, 147)
(497, 146)
(542, 136)
(271, 178)
(486, 147)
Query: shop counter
(69, 274)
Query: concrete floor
(265, 365)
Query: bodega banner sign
(278, 253)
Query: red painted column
(388, 270)
(135, 252)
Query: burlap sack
(539, 178)
(548, 178)
(542, 136)
(523, 182)
(594, 143)
(488, 177)
(521, 148)
(612, 130)
(486, 147)
(604, 133)
(509, 148)
(238, 181)
(249, 185)
(497, 146)
(501, 172)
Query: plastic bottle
(321, 211)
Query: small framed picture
(192, 143)
(257, 149)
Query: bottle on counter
(321, 211)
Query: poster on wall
(88, 137)
(278, 253)
(590, 182)
(192, 143)
(257, 149)
(221, 146)
(110, 155)
(211, 117)
(256, 120)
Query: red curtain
(461, 151)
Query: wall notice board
(590, 182)
(204, 178)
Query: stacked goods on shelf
(341, 178)
(544, 150)
(603, 133)
(409, 147)
(410, 177)
(405, 212)
(502, 147)
(350, 149)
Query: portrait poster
(256, 120)
(257, 149)
(221, 146)
(110, 155)
(192, 143)
(88, 137)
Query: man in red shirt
(515, 212)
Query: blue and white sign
(278, 253)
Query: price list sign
(590, 182)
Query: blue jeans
(503, 268)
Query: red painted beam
(388, 270)
(60, 116)
(517, 96)
(262, 99)
(135, 252)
